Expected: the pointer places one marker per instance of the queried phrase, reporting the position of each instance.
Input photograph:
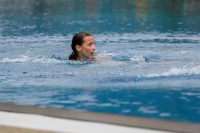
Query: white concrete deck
(15, 118)
(51, 124)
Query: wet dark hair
(77, 40)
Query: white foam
(137, 59)
(175, 71)
(21, 59)
(38, 59)
(42, 59)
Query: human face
(87, 49)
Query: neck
(81, 57)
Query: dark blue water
(152, 49)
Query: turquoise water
(153, 66)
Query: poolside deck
(31, 119)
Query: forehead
(88, 39)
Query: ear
(78, 48)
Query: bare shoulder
(101, 59)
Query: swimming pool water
(152, 50)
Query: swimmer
(83, 47)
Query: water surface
(152, 48)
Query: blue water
(152, 49)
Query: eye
(90, 44)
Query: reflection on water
(174, 104)
(64, 17)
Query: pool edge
(138, 122)
(11, 129)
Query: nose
(93, 47)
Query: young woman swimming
(83, 47)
